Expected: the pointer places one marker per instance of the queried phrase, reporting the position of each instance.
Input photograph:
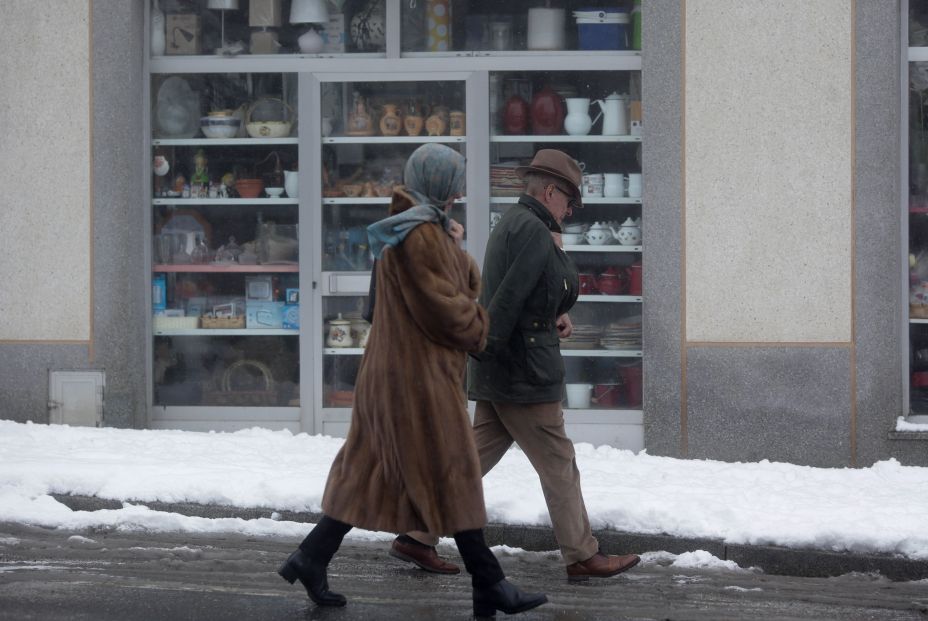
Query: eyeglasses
(572, 203)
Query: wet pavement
(110, 575)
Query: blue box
(606, 35)
(264, 315)
(159, 291)
(291, 317)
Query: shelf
(375, 200)
(227, 269)
(603, 248)
(391, 139)
(370, 200)
(609, 298)
(601, 353)
(227, 332)
(524, 53)
(578, 353)
(587, 200)
(218, 142)
(225, 201)
(561, 138)
(922, 321)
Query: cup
(613, 184)
(579, 395)
(592, 185)
(634, 185)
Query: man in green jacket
(529, 284)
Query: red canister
(515, 115)
(634, 282)
(631, 379)
(547, 112)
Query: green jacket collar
(535, 206)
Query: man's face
(560, 202)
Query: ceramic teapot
(360, 331)
(614, 110)
(629, 234)
(598, 234)
(339, 333)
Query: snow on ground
(876, 509)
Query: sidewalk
(771, 559)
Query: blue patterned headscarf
(434, 174)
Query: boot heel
(484, 611)
(287, 572)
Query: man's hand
(564, 327)
(456, 231)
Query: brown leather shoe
(422, 555)
(601, 566)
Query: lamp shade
(264, 13)
(308, 12)
(231, 5)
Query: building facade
(771, 315)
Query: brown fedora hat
(558, 164)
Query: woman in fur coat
(409, 461)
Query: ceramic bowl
(249, 188)
(274, 192)
(572, 239)
(220, 126)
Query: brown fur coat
(409, 462)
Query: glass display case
(596, 118)
(267, 170)
(265, 27)
(368, 131)
(225, 250)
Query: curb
(776, 560)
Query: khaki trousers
(538, 429)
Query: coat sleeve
(431, 289)
(527, 255)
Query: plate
(177, 109)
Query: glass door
(595, 117)
(225, 251)
(369, 126)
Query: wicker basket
(219, 323)
(268, 129)
(229, 393)
(160, 322)
(918, 311)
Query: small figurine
(413, 120)
(227, 181)
(199, 181)
(359, 119)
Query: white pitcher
(291, 183)
(614, 110)
(578, 121)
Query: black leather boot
(299, 566)
(506, 597)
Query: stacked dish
(584, 336)
(503, 180)
(623, 334)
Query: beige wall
(768, 156)
(45, 219)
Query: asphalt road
(107, 575)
